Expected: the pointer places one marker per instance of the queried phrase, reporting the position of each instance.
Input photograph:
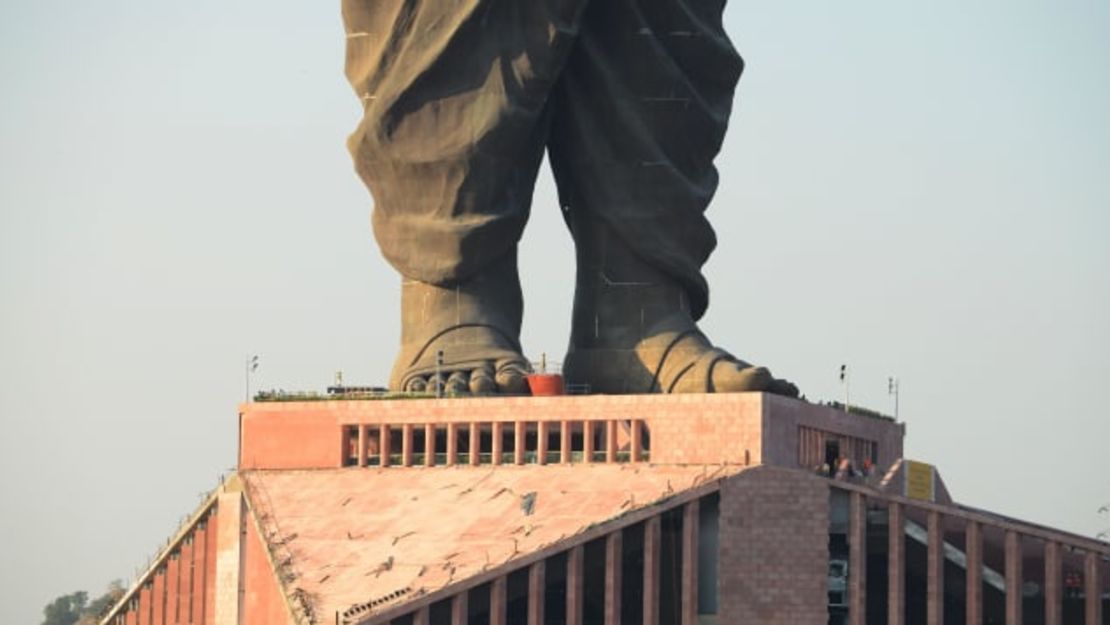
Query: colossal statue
(630, 99)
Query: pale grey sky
(914, 189)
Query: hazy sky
(914, 189)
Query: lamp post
(847, 387)
(250, 367)
(892, 389)
(439, 374)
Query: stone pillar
(229, 554)
(210, 577)
(422, 616)
(158, 597)
(452, 444)
(498, 430)
(564, 442)
(587, 441)
(934, 609)
(518, 441)
(536, 587)
(541, 442)
(636, 446)
(610, 441)
(498, 600)
(974, 593)
(146, 611)
(857, 559)
(1053, 575)
(1092, 588)
(575, 588)
(173, 587)
(1013, 578)
(185, 581)
(475, 444)
(614, 548)
(690, 521)
(199, 573)
(896, 565)
(430, 445)
(383, 444)
(652, 545)
(460, 608)
(406, 445)
(360, 450)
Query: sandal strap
(705, 363)
(663, 359)
(513, 343)
(676, 363)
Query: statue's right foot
(463, 338)
(476, 359)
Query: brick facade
(774, 548)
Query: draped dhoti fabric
(630, 98)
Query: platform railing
(960, 537)
(495, 443)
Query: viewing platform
(743, 429)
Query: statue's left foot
(633, 330)
(672, 356)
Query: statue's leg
(455, 122)
(638, 117)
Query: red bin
(544, 384)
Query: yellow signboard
(920, 480)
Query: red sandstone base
(711, 509)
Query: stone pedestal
(737, 429)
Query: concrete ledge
(733, 428)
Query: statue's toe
(739, 377)
(511, 379)
(457, 383)
(482, 382)
(783, 387)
